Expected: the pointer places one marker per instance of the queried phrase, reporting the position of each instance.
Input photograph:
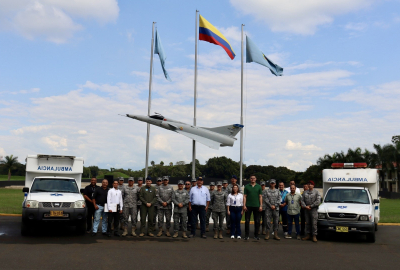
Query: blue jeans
(296, 223)
(198, 210)
(97, 215)
(236, 217)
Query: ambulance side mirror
(376, 201)
(25, 189)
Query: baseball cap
(225, 182)
(262, 183)
(194, 180)
(165, 177)
(212, 184)
(121, 179)
(140, 179)
(148, 178)
(159, 179)
(219, 183)
(180, 182)
(272, 181)
(200, 178)
(234, 176)
(131, 179)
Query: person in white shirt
(235, 211)
(114, 198)
(290, 184)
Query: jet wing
(202, 140)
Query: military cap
(131, 179)
(262, 183)
(180, 182)
(224, 182)
(148, 178)
(272, 181)
(219, 183)
(159, 179)
(121, 179)
(212, 184)
(234, 176)
(311, 182)
(165, 177)
(194, 180)
(140, 179)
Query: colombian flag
(208, 32)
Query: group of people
(193, 202)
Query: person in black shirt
(88, 195)
(99, 199)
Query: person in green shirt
(252, 202)
(148, 196)
(293, 201)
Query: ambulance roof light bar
(349, 165)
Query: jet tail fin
(230, 130)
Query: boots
(267, 235)
(220, 235)
(308, 237)
(125, 232)
(159, 233)
(168, 234)
(314, 239)
(264, 231)
(175, 235)
(133, 231)
(276, 237)
(184, 235)
(141, 235)
(215, 234)
(150, 234)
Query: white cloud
(56, 142)
(2, 153)
(54, 20)
(30, 91)
(299, 146)
(29, 129)
(299, 17)
(82, 132)
(356, 26)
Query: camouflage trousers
(180, 218)
(272, 215)
(311, 220)
(218, 216)
(130, 211)
(167, 213)
(208, 215)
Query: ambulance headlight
(32, 204)
(321, 216)
(364, 218)
(79, 204)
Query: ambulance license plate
(342, 229)
(56, 213)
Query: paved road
(53, 248)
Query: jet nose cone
(132, 116)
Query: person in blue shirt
(198, 205)
(283, 208)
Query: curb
(10, 215)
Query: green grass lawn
(13, 177)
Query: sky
(68, 68)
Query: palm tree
(9, 162)
(152, 163)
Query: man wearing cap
(188, 186)
(225, 186)
(139, 202)
(229, 191)
(156, 205)
(218, 201)
(121, 188)
(272, 199)
(263, 225)
(198, 204)
(165, 192)
(310, 201)
(180, 198)
(148, 196)
(252, 201)
(130, 194)
(209, 210)
(194, 182)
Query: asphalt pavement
(55, 247)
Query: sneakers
(239, 237)
(287, 236)
(298, 237)
(204, 236)
(232, 237)
(191, 236)
(256, 238)
(246, 238)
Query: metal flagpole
(195, 98)
(241, 117)
(149, 106)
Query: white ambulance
(52, 192)
(350, 200)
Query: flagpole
(149, 105)
(195, 98)
(241, 115)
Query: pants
(137, 212)
(235, 217)
(90, 215)
(180, 219)
(155, 217)
(130, 211)
(167, 213)
(311, 219)
(97, 215)
(296, 223)
(228, 221)
(218, 216)
(272, 215)
(113, 216)
(121, 217)
(303, 221)
(149, 213)
(262, 217)
(208, 215)
(283, 214)
(189, 221)
(256, 216)
(200, 211)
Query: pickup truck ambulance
(350, 200)
(52, 192)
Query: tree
(221, 167)
(162, 163)
(152, 163)
(94, 171)
(314, 173)
(10, 162)
(180, 163)
(171, 164)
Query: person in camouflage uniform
(310, 201)
(262, 216)
(130, 194)
(139, 202)
(180, 198)
(165, 192)
(188, 186)
(218, 200)
(121, 187)
(272, 199)
(158, 184)
(229, 191)
(209, 209)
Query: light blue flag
(160, 51)
(253, 54)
